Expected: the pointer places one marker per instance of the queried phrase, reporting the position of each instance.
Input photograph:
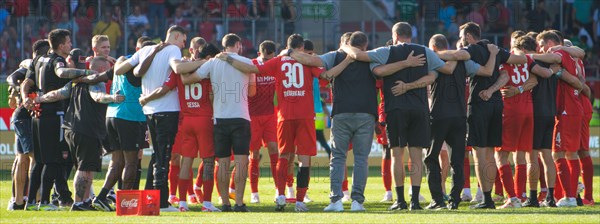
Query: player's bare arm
(157, 93)
(572, 50)
(516, 59)
(542, 72)
(307, 59)
(356, 53)
(502, 80)
(252, 85)
(510, 91)
(402, 87)
(337, 70)
(98, 94)
(567, 77)
(25, 87)
(391, 68)
(454, 55)
(242, 67)
(95, 78)
(121, 67)
(547, 58)
(185, 67)
(56, 95)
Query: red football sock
(190, 185)
(542, 174)
(498, 183)
(183, 188)
(282, 173)
(558, 190)
(290, 179)
(587, 174)
(173, 178)
(507, 180)
(345, 182)
(232, 181)
(199, 176)
(207, 188)
(386, 173)
(467, 172)
(273, 161)
(575, 170)
(253, 170)
(564, 175)
(520, 180)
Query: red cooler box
(138, 202)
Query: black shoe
(102, 205)
(82, 207)
(240, 208)
(579, 201)
(415, 206)
(483, 205)
(532, 203)
(399, 205)
(226, 208)
(16, 207)
(435, 206)
(112, 197)
(65, 203)
(54, 199)
(548, 203)
(452, 206)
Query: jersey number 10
(194, 91)
(295, 75)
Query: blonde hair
(99, 38)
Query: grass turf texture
(318, 192)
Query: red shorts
(517, 133)
(176, 150)
(382, 137)
(585, 132)
(300, 134)
(567, 136)
(263, 131)
(196, 135)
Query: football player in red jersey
(295, 128)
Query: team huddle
(216, 105)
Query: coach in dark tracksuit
(449, 122)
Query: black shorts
(452, 130)
(231, 134)
(543, 128)
(485, 124)
(123, 134)
(48, 138)
(408, 127)
(86, 151)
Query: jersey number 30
(295, 75)
(194, 91)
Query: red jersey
(294, 87)
(262, 103)
(586, 104)
(194, 99)
(520, 104)
(567, 97)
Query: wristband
(559, 73)
(520, 89)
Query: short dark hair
(439, 41)
(58, 37)
(176, 28)
(526, 43)
(345, 37)
(560, 35)
(208, 50)
(532, 34)
(390, 42)
(148, 43)
(143, 39)
(295, 41)
(41, 47)
(471, 28)
(308, 45)
(517, 33)
(230, 39)
(267, 47)
(358, 39)
(549, 35)
(402, 29)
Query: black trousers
(163, 128)
(452, 131)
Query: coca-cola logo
(133, 203)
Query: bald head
(438, 42)
(99, 64)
